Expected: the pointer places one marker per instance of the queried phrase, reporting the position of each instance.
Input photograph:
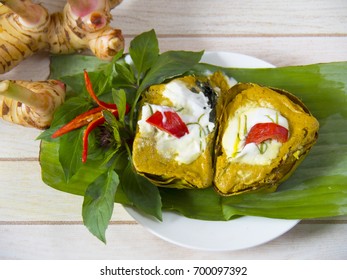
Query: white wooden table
(38, 222)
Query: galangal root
(26, 28)
(30, 104)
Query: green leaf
(99, 202)
(69, 65)
(101, 81)
(110, 119)
(119, 97)
(315, 198)
(318, 85)
(70, 153)
(168, 65)
(144, 50)
(76, 84)
(53, 173)
(69, 110)
(115, 125)
(124, 73)
(202, 204)
(140, 192)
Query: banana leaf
(318, 188)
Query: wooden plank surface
(132, 241)
(225, 18)
(38, 222)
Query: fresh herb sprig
(122, 81)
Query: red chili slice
(265, 131)
(91, 92)
(170, 122)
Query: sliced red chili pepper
(93, 95)
(265, 131)
(170, 122)
(102, 104)
(89, 128)
(79, 121)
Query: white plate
(241, 233)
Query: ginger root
(26, 28)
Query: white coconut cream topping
(194, 110)
(234, 138)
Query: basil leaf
(168, 65)
(99, 202)
(119, 97)
(69, 110)
(124, 73)
(144, 50)
(141, 192)
(109, 68)
(101, 82)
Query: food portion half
(176, 130)
(264, 133)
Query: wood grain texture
(256, 18)
(38, 222)
(322, 241)
(27, 198)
